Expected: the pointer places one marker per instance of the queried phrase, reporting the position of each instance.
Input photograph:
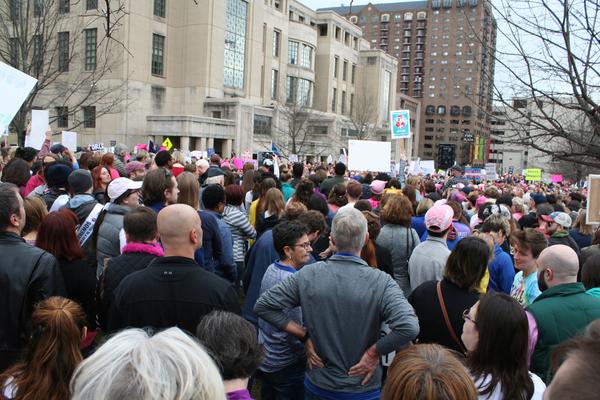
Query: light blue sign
(400, 124)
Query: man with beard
(563, 309)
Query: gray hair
(202, 163)
(133, 365)
(349, 229)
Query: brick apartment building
(445, 52)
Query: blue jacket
(260, 256)
(225, 267)
(502, 271)
(208, 255)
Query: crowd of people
(131, 275)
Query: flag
(274, 149)
(152, 148)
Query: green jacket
(561, 312)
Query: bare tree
(549, 55)
(363, 117)
(72, 56)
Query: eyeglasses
(306, 245)
(467, 317)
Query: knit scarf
(149, 248)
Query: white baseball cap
(117, 187)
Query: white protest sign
(39, 124)
(367, 155)
(97, 147)
(69, 140)
(427, 167)
(15, 87)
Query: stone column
(184, 143)
(200, 144)
(227, 148)
(210, 142)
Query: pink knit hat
(377, 186)
(481, 200)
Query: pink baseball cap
(439, 218)
(481, 200)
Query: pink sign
(556, 178)
(239, 163)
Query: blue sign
(210, 151)
(400, 124)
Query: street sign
(167, 144)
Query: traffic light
(446, 155)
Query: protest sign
(367, 155)
(97, 147)
(473, 173)
(533, 174)
(293, 158)
(69, 140)
(593, 200)
(490, 171)
(400, 124)
(556, 178)
(39, 125)
(427, 167)
(15, 87)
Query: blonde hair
(189, 190)
(580, 223)
(273, 202)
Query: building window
(276, 42)
(89, 117)
(91, 4)
(158, 97)
(158, 55)
(334, 100)
(345, 70)
(353, 74)
(62, 117)
(235, 44)
(319, 130)
(336, 62)
(38, 54)
(343, 102)
(91, 37)
(63, 51)
(274, 84)
(293, 52)
(38, 8)
(304, 92)
(64, 6)
(159, 8)
(14, 52)
(306, 57)
(262, 125)
(291, 90)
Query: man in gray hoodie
(344, 303)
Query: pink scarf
(150, 248)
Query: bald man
(173, 290)
(563, 309)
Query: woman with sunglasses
(495, 334)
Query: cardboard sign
(593, 200)
(367, 155)
(400, 124)
(69, 140)
(533, 174)
(15, 86)
(39, 125)
(97, 147)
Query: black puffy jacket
(27, 276)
